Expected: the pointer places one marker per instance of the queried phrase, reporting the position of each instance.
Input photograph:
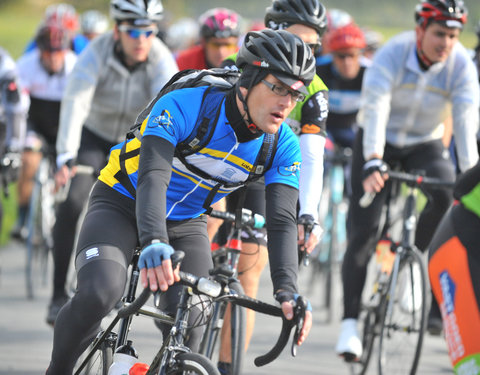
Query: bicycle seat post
(129, 297)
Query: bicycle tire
(36, 248)
(102, 359)
(238, 331)
(403, 326)
(191, 363)
(210, 345)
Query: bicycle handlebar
(415, 180)
(247, 219)
(212, 288)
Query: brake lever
(299, 315)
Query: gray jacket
(105, 97)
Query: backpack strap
(122, 175)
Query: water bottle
(123, 359)
(384, 255)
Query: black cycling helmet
(138, 12)
(283, 13)
(281, 53)
(451, 13)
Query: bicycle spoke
(404, 325)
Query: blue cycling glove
(154, 254)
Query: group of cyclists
(303, 79)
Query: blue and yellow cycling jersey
(224, 158)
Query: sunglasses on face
(283, 91)
(218, 45)
(136, 32)
(344, 56)
(314, 47)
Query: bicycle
(327, 256)
(225, 272)
(395, 311)
(174, 357)
(41, 219)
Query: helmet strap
(424, 61)
(250, 124)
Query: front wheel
(191, 363)
(100, 361)
(403, 328)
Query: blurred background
(19, 18)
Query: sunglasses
(218, 45)
(283, 91)
(344, 56)
(314, 47)
(136, 33)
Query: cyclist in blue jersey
(159, 204)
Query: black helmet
(451, 13)
(283, 54)
(283, 13)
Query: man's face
(267, 109)
(53, 61)
(307, 34)
(218, 49)
(136, 41)
(437, 41)
(347, 62)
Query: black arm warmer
(281, 205)
(154, 171)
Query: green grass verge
(9, 205)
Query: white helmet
(139, 11)
(93, 22)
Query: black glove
(284, 296)
(374, 165)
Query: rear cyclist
(407, 93)
(43, 74)
(454, 258)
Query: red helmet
(52, 38)
(62, 15)
(219, 23)
(451, 13)
(348, 36)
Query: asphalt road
(26, 340)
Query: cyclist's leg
(31, 157)
(252, 261)
(213, 224)
(190, 236)
(433, 158)
(453, 269)
(92, 152)
(363, 225)
(102, 260)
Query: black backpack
(218, 81)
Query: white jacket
(105, 97)
(403, 105)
